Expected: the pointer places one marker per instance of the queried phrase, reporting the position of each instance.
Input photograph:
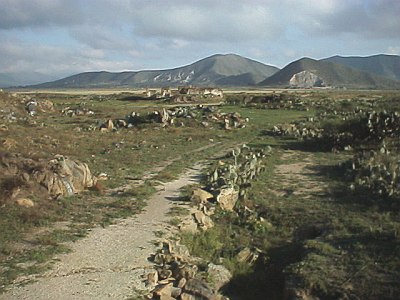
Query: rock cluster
(76, 111)
(60, 176)
(177, 116)
(178, 276)
(272, 101)
(32, 106)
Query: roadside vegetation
(324, 218)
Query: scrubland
(323, 216)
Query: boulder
(227, 198)
(65, 177)
(219, 275)
(196, 289)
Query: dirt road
(110, 262)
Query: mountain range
(230, 70)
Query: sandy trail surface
(111, 262)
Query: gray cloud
(374, 19)
(228, 21)
(23, 13)
(63, 37)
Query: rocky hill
(307, 73)
(216, 70)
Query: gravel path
(110, 262)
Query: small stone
(186, 296)
(109, 125)
(152, 278)
(164, 289)
(246, 255)
(200, 195)
(164, 274)
(166, 297)
(25, 202)
(188, 225)
(182, 282)
(176, 292)
(203, 220)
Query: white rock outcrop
(306, 79)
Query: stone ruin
(178, 116)
(184, 94)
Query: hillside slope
(307, 72)
(382, 65)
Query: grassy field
(354, 254)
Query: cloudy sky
(50, 39)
